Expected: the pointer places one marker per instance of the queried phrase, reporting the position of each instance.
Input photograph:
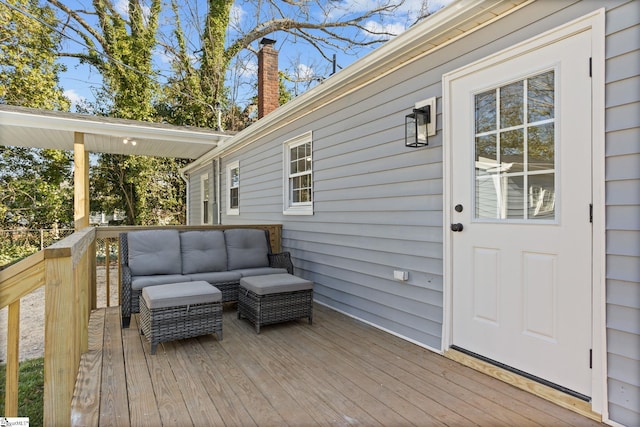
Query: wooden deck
(337, 371)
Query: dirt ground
(32, 317)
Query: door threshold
(560, 398)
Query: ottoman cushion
(180, 294)
(275, 283)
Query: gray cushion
(154, 252)
(180, 294)
(203, 251)
(139, 282)
(246, 248)
(216, 277)
(275, 283)
(261, 271)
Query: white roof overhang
(27, 127)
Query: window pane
(499, 196)
(540, 94)
(513, 197)
(541, 150)
(233, 198)
(542, 196)
(512, 151)
(486, 149)
(485, 111)
(487, 194)
(511, 105)
(235, 177)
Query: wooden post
(80, 183)
(67, 271)
(60, 340)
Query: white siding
(623, 211)
(195, 195)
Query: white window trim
(287, 207)
(203, 179)
(231, 166)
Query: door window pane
(541, 150)
(540, 97)
(512, 150)
(486, 111)
(515, 161)
(486, 149)
(511, 105)
(542, 196)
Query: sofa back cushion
(203, 251)
(154, 252)
(246, 248)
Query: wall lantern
(420, 124)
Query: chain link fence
(18, 244)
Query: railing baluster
(107, 250)
(13, 352)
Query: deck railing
(67, 270)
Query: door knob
(457, 227)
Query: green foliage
(148, 189)
(10, 253)
(28, 71)
(37, 188)
(30, 390)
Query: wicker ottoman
(180, 310)
(275, 298)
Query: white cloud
(236, 15)
(162, 55)
(387, 28)
(122, 7)
(74, 97)
(305, 72)
(404, 17)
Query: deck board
(335, 372)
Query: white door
(521, 194)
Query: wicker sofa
(219, 257)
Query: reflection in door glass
(515, 148)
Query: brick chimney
(267, 78)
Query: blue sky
(296, 57)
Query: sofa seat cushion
(139, 282)
(246, 248)
(153, 252)
(203, 251)
(216, 277)
(180, 294)
(262, 271)
(275, 284)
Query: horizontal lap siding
(378, 205)
(623, 211)
(195, 197)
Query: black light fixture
(416, 127)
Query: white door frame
(594, 22)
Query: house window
(205, 199)
(515, 150)
(298, 176)
(233, 188)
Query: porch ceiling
(27, 127)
